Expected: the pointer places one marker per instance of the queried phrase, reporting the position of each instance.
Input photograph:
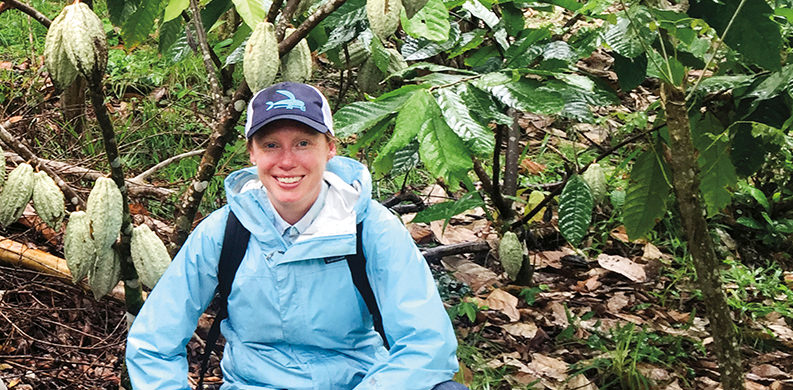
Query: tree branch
(35, 14)
(143, 175)
(216, 93)
(434, 255)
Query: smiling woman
(297, 316)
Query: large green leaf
(406, 158)
(524, 94)
(750, 143)
(238, 43)
(443, 153)
(630, 71)
(481, 105)
(723, 83)
(431, 22)
(252, 11)
(575, 210)
(775, 84)
(477, 136)
(415, 49)
(174, 9)
(446, 210)
(344, 27)
(359, 116)
(120, 10)
(630, 35)
(752, 31)
(409, 120)
(137, 27)
(717, 174)
(645, 200)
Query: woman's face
(290, 158)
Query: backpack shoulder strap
(235, 243)
(357, 264)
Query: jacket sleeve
(156, 353)
(423, 343)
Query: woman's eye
(269, 145)
(303, 144)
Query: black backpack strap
(357, 264)
(235, 244)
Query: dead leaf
(673, 386)
(453, 234)
(654, 373)
(531, 167)
(651, 252)
(526, 330)
(750, 385)
(559, 314)
(6, 65)
(420, 232)
(434, 194)
(580, 382)
(504, 302)
(623, 266)
(617, 302)
(476, 276)
(620, 234)
(768, 371)
(551, 259)
(548, 367)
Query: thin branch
(434, 255)
(511, 157)
(35, 14)
(286, 18)
(273, 12)
(143, 175)
(214, 84)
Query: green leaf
(717, 174)
(512, 17)
(120, 10)
(415, 49)
(525, 49)
(406, 158)
(481, 105)
(137, 27)
(478, 10)
(468, 41)
(240, 39)
(431, 22)
(359, 116)
(477, 136)
(752, 33)
(524, 94)
(626, 38)
(446, 210)
(630, 71)
(252, 11)
(170, 32)
(758, 195)
(723, 83)
(775, 84)
(174, 9)
(380, 56)
(575, 210)
(750, 143)
(348, 23)
(749, 222)
(645, 200)
(409, 120)
(443, 153)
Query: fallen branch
(434, 255)
(139, 179)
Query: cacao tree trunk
(73, 104)
(683, 163)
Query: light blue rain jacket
(295, 319)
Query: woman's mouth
(288, 179)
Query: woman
(295, 320)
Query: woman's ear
(331, 150)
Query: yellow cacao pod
(82, 38)
(105, 208)
(260, 61)
(149, 255)
(48, 200)
(296, 65)
(510, 252)
(105, 273)
(383, 16)
(78, 246)
(16, 194)
(595, 178)
(413, 6)
(62, 71)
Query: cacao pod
(149, 255)
(62, 71)
(510, 252)
(48, 200)
(358, 54)
(261, 60)
(369, 77)
(78, 246)
(105, 273)
(296, 65)
(595, 178)
(16, 194)
(413, 6)
(105, 208)
(395, 61)
(83, 39)
(383, 16)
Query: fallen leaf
(579, 382)
(504, 302)
(617, 302)
(420, 232)
(623, 266)
(434, 194)
(548, 367)
(769, 371)
(654, 373)
(651, 252)
(750, 385)
(620, 234)
(551, 259)
(6, 65)
(453, 234)
(474, 275)
(559, 314)
(531, 167)
(526, 330)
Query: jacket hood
(349, 193)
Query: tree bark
(683, 163)
(73, 104)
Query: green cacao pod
(296, 65)
(48, 200)
(261, 61)
(595, 178)
(510, 252)
(62, 71)
(358, 54)
(149, 255)
(395, 61)
(83, 39)
(383, 16)
(16, 194)
(105, 208)
(78, 246)
(369, 77)
(105, 273)
(413, 6)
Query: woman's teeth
(288, 180)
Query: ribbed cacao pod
(62, 71)
(383, 16)
(369, 77)
(149, 255)
(297, 64)
(413, 6)
(261, 61)
(16, 194)
(78, 246)
(81, 37)
(48, 200)
(510, 252)
(395, 61)
(595, 178)
(105, 273)
(105, 207)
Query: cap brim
(320, 127)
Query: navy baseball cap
(288, 100)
